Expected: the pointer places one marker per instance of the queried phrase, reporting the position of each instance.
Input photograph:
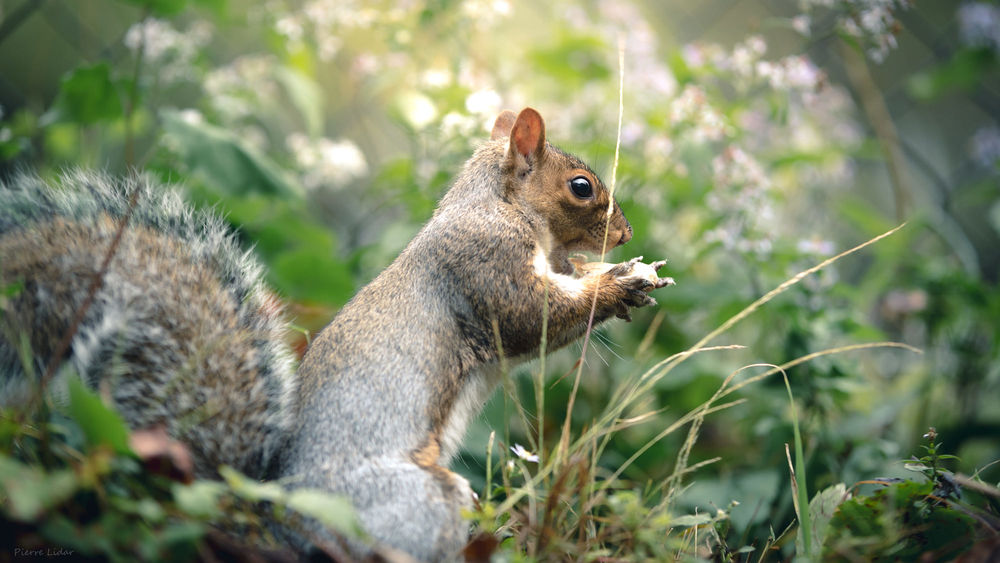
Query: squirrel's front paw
(637, 279)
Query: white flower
(436, 78)
(815, 246)
(344, 156)
(985, 146)
(756, 45)
(693, 55)
(524, 454)
(979, 25)
(327, 162)
(418, 109)
(155, 36)
(455, 124)
(191, 116)
(801, 73)
(290, 27)
(483, 102)
(801, 23)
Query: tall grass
(568, 507)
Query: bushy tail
(181, 329)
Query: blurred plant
(871, 22)
(905, 519)
(72, 484)
(327, 130)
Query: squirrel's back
(181, 331)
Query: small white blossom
(455, 124)
(801, 23)
(418, 109)
(815, 246)
(486, 101)
(436, 78)
(327, 162)
(985, 146)
(979, 25)
(524, 454)
(156, 37)
(191, 116)
(290, 27)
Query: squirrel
(388, 388)
(182, 332)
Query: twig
(885, 131)
(95, 285)
(17, 17)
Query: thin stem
(881, 120)
(133, 96)
(564, 438)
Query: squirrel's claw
(664, 282)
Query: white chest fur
(476, 391)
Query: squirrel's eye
(581, 187)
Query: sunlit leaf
(88, 94)
(221, 159)
(306, 95)
(200, 498)
(101, 425)
(28, 491)
(331, 510)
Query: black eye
(581, 188)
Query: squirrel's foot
(637, 279)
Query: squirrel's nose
(626, 234)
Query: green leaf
(217, 7)
(573, 60)
(183, 535)
(223, 161)
(821, 509)
(306, 95)
(101, 425)
(897, 523)
(160, 7)
(29, 491)
(311, 274)
(802, 508)
(88, 95)
(964, 72)
(249, 489)
(199, 499)
(690, 520)
(332, 511)
(146, 508)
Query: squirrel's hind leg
(409, 508)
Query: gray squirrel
(183, 332)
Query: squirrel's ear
(527, 136)
(503, 124)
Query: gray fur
(388, 387)
(227, 391)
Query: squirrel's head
(558, 187)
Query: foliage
(71, 485)
(752, 148)
(904, 520)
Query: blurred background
(759, 138)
